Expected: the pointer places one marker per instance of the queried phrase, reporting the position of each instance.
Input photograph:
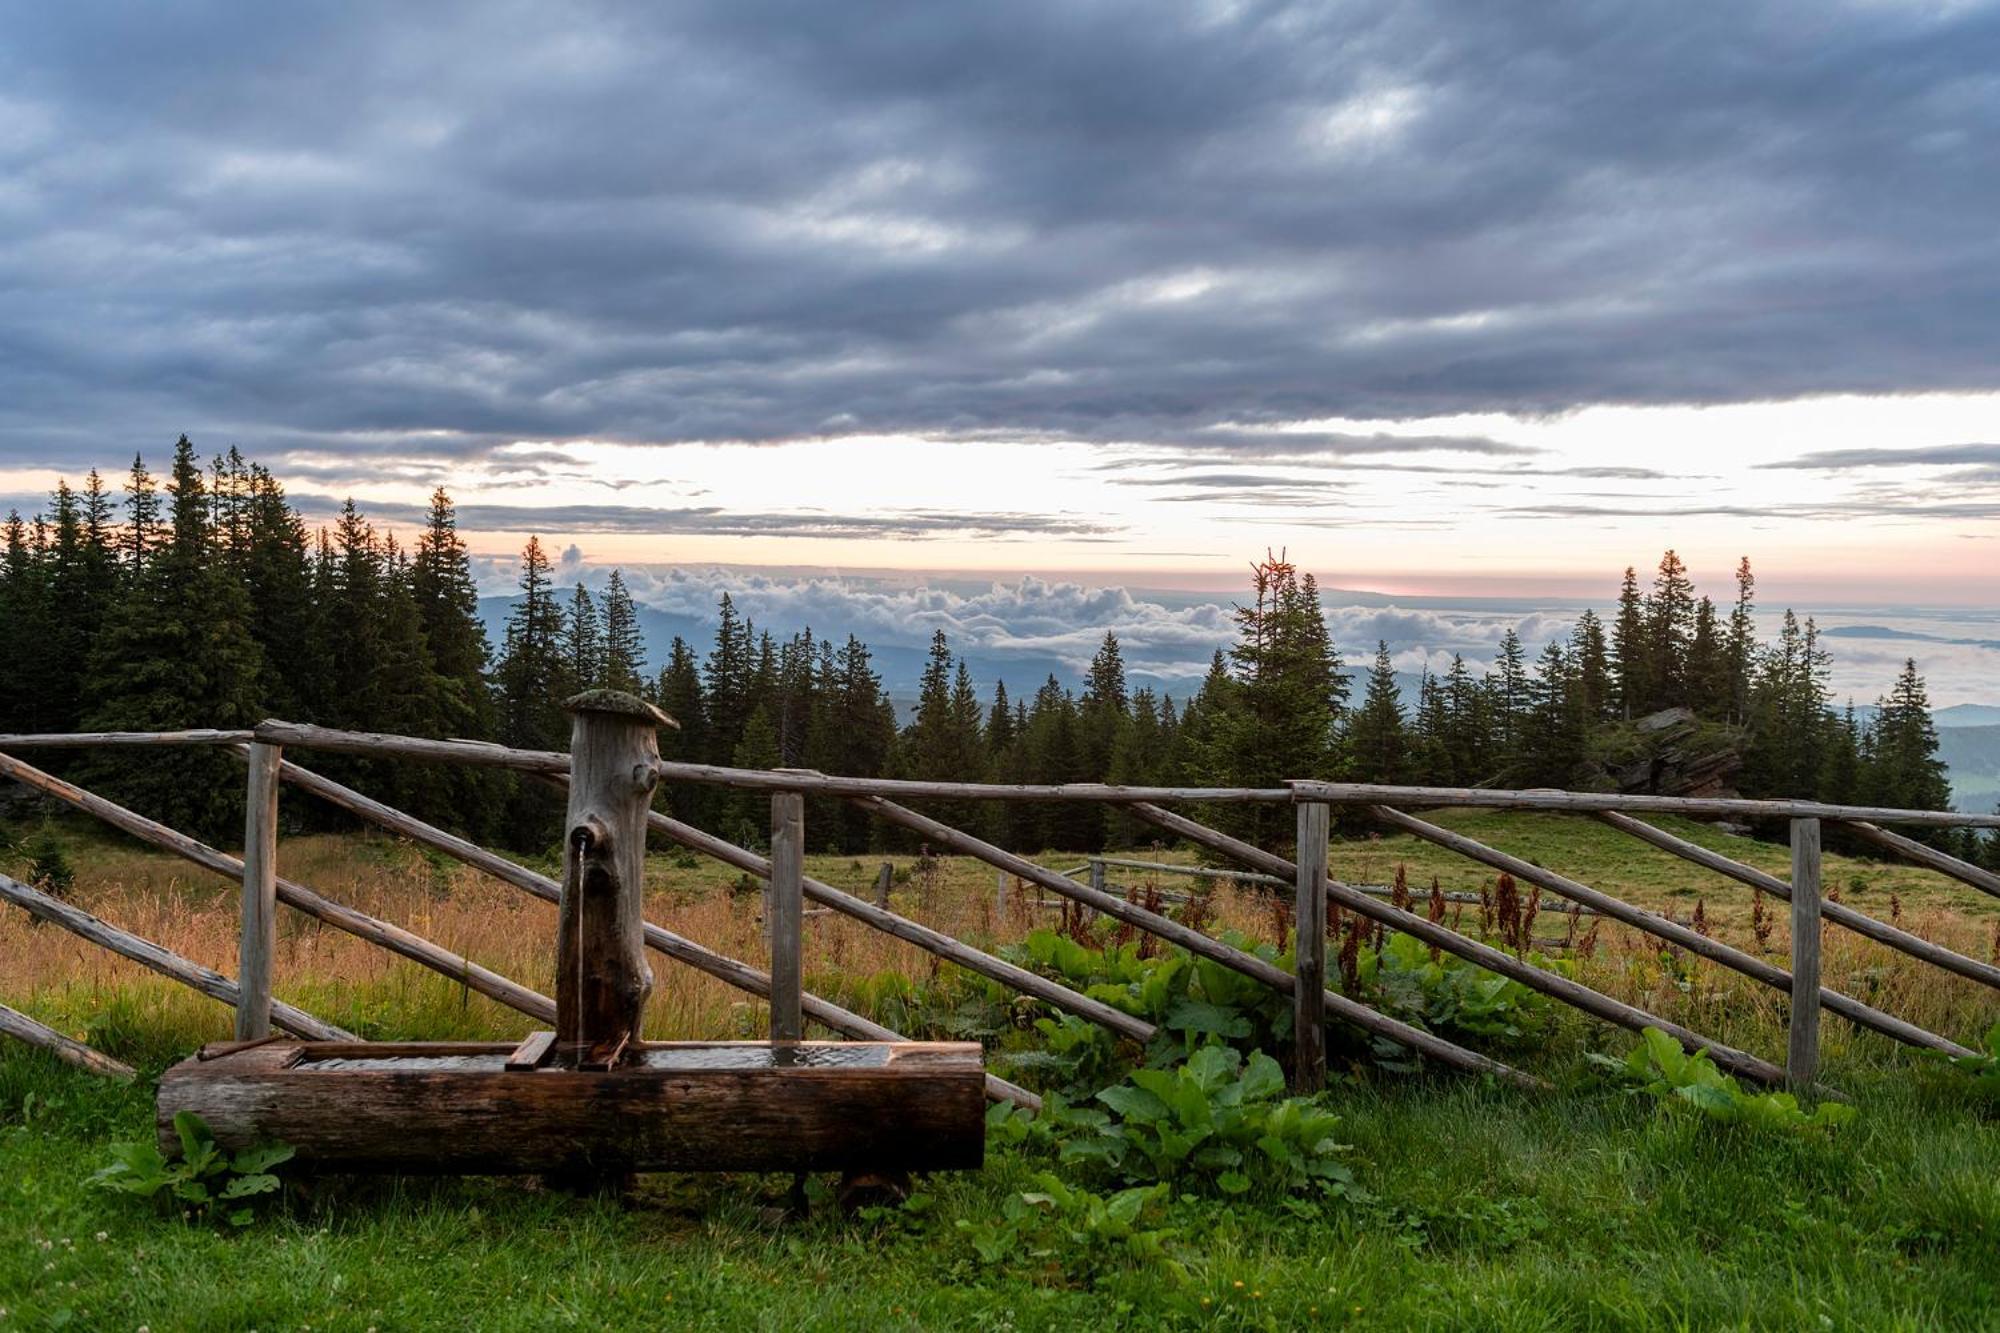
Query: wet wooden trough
(476, 1107)
(590, 1098)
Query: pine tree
(175, 653)
(678, 693)
(531, 671)
(1740, 644)
(1669, 627)
(1592, 659)
(624, 647)
(1377, 747)
(278, 581)
(1508, 697)
(448, 602)
(583, 642)
(1903, 768)
(728, 678)
(1708, 683)
(1292, 692)
(142, 534)
(1630, 650)
(1556, 736)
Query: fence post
(602, 979)
(785, 914)
(1000, 894)
(882, 880)
(1802, 1055)
(1096, 880)
(260, 894)
(1309, 953)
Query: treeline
(209, 602)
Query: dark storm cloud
(412, 233)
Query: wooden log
(1195, 942)
(484, 754)
(296, 896)
(1838, 913)
(826, 784)
(1362, 793)
(260, 895)
(883, 877)
(914, 932)
(602, 979)
(1309, 951)
(1570, 992)
(696, 1106)
(15, 1024)
(69, 740)
(1928, 857)
(1802, 1049)
(787, 897)
(164, 961)
(730, 971)
(1660, 927)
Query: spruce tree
(1740, 643)
(1377, 748)
(1508, 696)
(583, 642)
(1669, 628)
(1903, 769)
(624, 647)
(1592, 660)
(175, 653)
(1630, 650)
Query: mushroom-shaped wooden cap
(619, 702)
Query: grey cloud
(425, 231)
(1938, 454)
(711, 520)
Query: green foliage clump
(1081, 1233)
(1213, 1123)
(1658, 1067)
(205, 1181)
(1448, 994)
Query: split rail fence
(1313, 891)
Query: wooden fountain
(591, 1099)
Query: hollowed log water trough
(591, 1099)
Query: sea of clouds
(1023, 629)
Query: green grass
(1484, 1208)
(1487, 1209)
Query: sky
(1445, 300)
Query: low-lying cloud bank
(1023, 630)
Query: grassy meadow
(1472, 1205)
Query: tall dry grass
(121, 1006)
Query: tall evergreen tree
(1630, 649)
(1377, 747)
(176, 652)
(624, 647)
(583, 642)
(1903, 768)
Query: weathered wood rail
(1303, 877)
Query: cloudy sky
(1445, 299)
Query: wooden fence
(1313, 891)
